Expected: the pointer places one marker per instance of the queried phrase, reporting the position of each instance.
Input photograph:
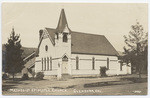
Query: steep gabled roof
(84, 43)
(51, 33)
(62, 23)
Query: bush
(5, 76)
(103, 71)
(39, 76)
(25, 77)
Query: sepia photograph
(74, 48)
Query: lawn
(116, 85)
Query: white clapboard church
(63, 51)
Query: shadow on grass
(109, 83)
(72, 86)
(134, 79)
(58, 87)
(7, 87)
(123, 81)
(10, 83)
(34, 79)
(86, 77)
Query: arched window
(93, 63)
(107, 63)
(42, 64)
(46, 48)
(65, 58)
(65, 39)
(51, 63)
(77, 63)
(47, 63)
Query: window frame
(108, 63)
(77, 63)
(93, 63)
(46, 48)
(65, 37)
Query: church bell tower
(63, 35)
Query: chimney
(40, 34)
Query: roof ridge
(50, 28)
(87, 33)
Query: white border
(75, 1)
(84, 1)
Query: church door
(65, 65)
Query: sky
(113, 20)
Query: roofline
(29, 56)
(50, 37)
(42, 39)
(112, 45)
(88, 33)
(93, 54)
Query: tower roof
(62, 23)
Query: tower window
(65, 39)
(57, 35)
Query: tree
(137, 42)
(14, 61)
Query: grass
(118, 85)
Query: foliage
(137, 42)
(103, 71)
(136, 37)
(4, 76)
(39, 76)
(25, 77)
(14, 61)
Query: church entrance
(65, 65)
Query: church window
(121, 64)
(50, 63)
(107, 63)
(47, 63)
(57, 35)
(65, 58)
(42, 63)
(46, 48)
(65, 39)
(93, 63)
(77, 63)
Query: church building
(75, 53)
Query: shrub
(25, 77)
(39, 76)
(103, 71)
(5, 76)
